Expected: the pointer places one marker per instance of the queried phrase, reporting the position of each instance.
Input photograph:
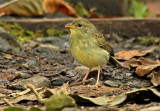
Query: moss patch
(19, 32)
(149, 40)
(54, 32)
(24, 35)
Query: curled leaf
(127, 55)
(155, 77)
(102, 100)
(143, 70)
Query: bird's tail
(114, 61)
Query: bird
(89, 47)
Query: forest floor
(47, 63)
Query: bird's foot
(96, 85)
(83, 82)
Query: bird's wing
(102, 43)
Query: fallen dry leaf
(155, 77)
(60, 5)
(37, 7)
(64, 88)
(145, 61)
(127, 55)
(143, 70)
(26, 8)
(138, 62)
(131, 63)
(145, 66)
(8, 56)
(102, 100)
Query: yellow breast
(88, 54)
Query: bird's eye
(79, 25)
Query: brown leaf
(145, 61)
(93, 13)
(64, 88)
(127, 55)
(155, 77)
(38, 7)
(138, 62)
(133, 62)
(143, 70)
(8, 56)
(145, 66)
(26, 8)
(61, 6)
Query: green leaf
(118, 99)
(13, 108)
(35, 109)
(58, 101)
(138, 9)
(102, 100)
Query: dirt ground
(50, 58)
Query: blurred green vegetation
(149, 40)
(81, 10)
(19, 32)
(54, 32)
(24, 35)
(138, 9)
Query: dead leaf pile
(37, 7)
(143, 65)
(62, 97)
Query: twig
(159, 52)
(14, 95)
(7, 102)
(78, 83)
(39, 98)
(8, 3)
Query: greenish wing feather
(102, 43)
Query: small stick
(7, 102)
(15, 95)
(159, 52)
(78, 83)
(39, 98)
(8, 3)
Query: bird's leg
(99, 72)
(85, 78)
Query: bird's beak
(69, 25)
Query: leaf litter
(61, 99)
(144, 66)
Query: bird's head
(81, 26)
